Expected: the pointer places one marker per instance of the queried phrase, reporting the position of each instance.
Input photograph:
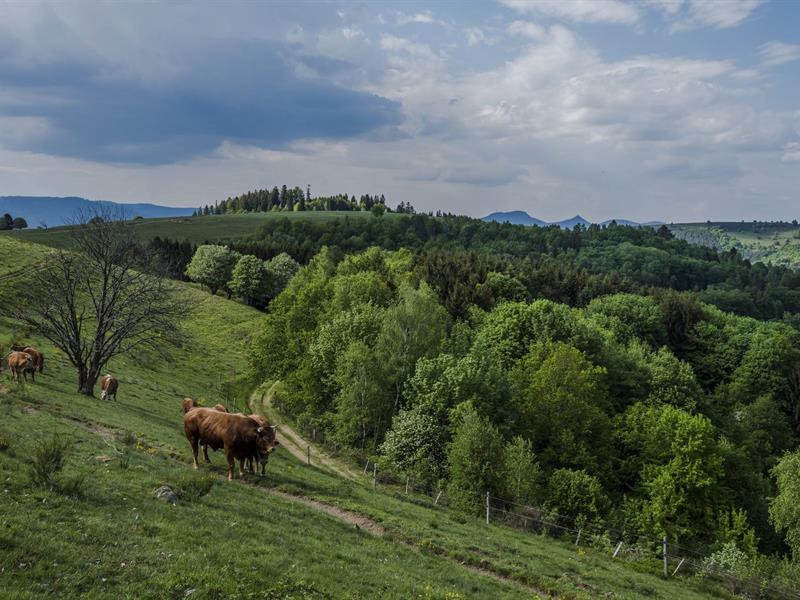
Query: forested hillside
(775, 243)
(654, 414)
(457, 254)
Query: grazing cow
(108, 387)
(249, 463)
(38, 358)
(20, 363)
(238, 435)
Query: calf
(20, 364)
(108, 387)
(241, 437)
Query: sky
(671, 110)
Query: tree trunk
(87, 379)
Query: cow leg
(241, 466)
(205, 452)
(229, 456)
(33, 376)
(194, 444)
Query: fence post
(374, 475)
(616, 550)
(314, 434)
(309, 454)
(439, 495)
(666, 558)
(678, 567)
(487, 508)
(578, 539)
(366, 466)
(406, 485)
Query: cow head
(266, 442)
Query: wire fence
(673, 560)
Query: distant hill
(520, 217)
(54, 211)
(516, 217)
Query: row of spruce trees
(295, 199)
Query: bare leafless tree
(98, 299)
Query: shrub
(49, 458)
(194, 486)
(575, 496)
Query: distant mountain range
(520, 217)
(53, 211)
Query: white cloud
(777, 53)
(474, 35)
(791, 152)
(526, 29)
(717, 14)
(425, 17)
(585, 11)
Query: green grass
(195, 229)
(775, 243)
(109, 537)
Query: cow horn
(259, 430)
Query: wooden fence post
(666, 558)
(374, 475)
(578, 539)
(366, 466)
(616, 550)
(487, 508)
(309, 454)
(678, 567)
(439, 495)
(406, 485)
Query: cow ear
(259, 430)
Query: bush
(194, 486)
(576, 496)
(49, 458)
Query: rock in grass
(165, 493)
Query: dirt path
(355, 519)
(298, 446)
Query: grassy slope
(776, 244)
(117, 541)
(195, 229)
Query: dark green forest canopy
(456, 254)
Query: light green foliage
(675, 462)
(672, 381)
(360, 288)
(521, 472)
(575, 496)
(412, 329)
(784, 510)
(474, 456)
(363, 411)
(280, 270)
(512, 327)
(444, 381)
(212, 266)
(249, 280)
(361, 324)
(416, 446)
(561, 399)
(734, 528)
(630, 317)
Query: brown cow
(190, 403)
(108, 386)
(20, 363)
(239, 436)
(249, 463)
(38, 358)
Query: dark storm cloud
(251, 92)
